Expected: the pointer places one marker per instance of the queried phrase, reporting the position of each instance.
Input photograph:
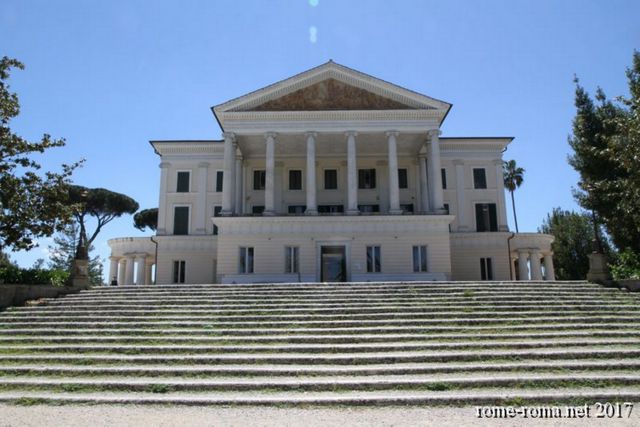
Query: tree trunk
(515, 218)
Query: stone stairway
(352, 344)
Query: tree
(32, 204)
(606, 145)
(513, 178)
(573, 234)
(62, 254)
(146, 218)
(101, 204)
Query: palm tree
(513, 178)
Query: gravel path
(138, 416)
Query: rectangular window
(181, 220)
(295, 180)
(419, 259)
(486, 217)
(216, 212)
(291, 259)
(259, 177)
(179, 271)
(403, 182)
(330, 179)
(366, 178)
(246, 261)
(407, 208)
(373, 259)
(330, 209)
(443, 173)
(297, 209)
(369, 208)
(219, 181)
(183, 182)
(486, 269)
(479, 178)
(257, 210)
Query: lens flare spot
(313, 3)
(313, 34)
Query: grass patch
(159, 388)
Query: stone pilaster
(162, 203)
(352, 174)
(227, 180)
(312, 205)
(269, 182)
(434, 164)
(394, 189)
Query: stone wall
(13, 295)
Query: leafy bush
(626, 266)
(12, 274)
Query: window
(408, 208)
(183, 182)
(443, 173)
(297, 209)
(366, 178)
(181, 220)
(257, 210)
(246, 261)
(295, 180)
(179, 271)
(373, 259)
(419, 259)
(330, 209)
(259, 179)
(219, 181)
(330, 179)
(216, 212)
(486, 270)
(486, 219)
(369, 208)
(479, 178)
(402, 178)
(291, 259)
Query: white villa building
(331, 176)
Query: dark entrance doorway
(333, 264)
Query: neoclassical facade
(332, 175)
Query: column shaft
(352, 175)
(201, 201)
(502, 207)
(460, 211)
(227, 177)
(128, 275)
(436, 178)
(536, 268)
(550, 273)
(162, 203)
(113, 269)
(312, 207)
(269, 184)
(394, 189)
(148, 274)
(238, 186)
(424, 190)
(122, 266)
(523, 267)
(140, 260)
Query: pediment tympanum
(330, 94)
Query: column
(434, 165)
(536, 268)
(141, 261)
(269, 184)
(227, 180)
(147, 274)
(394, 189)
(128, 275)
(122, 265)
(113, 269)
(162, 204)
(312, 206)
(201, 201)
(424, 190)
(523, 267)
(502, 207)
(460, 211)
(352, 174)
(550, 273)
(238, 186)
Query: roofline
(155, 141)
(510, 138)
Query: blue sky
(111, 75)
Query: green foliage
(606, 145)
(33, 276)
(63, 252)
(573, 234)
(146, 218)
(513, 176)
(626, 266)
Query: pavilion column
(312, 206)
(113, 269)
(523, 267)
(550, 273)
(201, 201)
(536, 268)
(147, 274)
(434, 165)
(238, 186)
(141, 260)
(460, 211)
(128, 274)
(424, 191)
(269, 181)
(228, 174)
(352, 174)
(502, 207)
(122, 265)
(162, 207)
(394, 189)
